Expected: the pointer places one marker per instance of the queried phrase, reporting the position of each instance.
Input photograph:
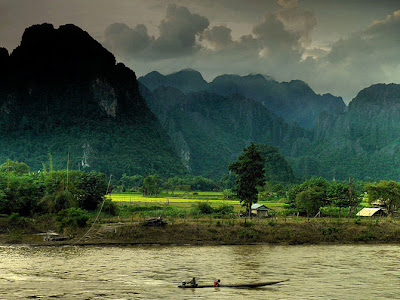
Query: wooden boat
(244, 286)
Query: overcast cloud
(336, 46)
(280, 45)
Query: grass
(185, 200)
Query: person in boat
(192, 282)
(216, 283)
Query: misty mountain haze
(293, 101)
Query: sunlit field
(182, 199)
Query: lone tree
(250, 172)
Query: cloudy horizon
(337, 47)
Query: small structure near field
(371, 212)
(260, 210)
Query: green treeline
(29, 193)
(65, 192)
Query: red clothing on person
(216, 283)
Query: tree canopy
(387, 192)
(250, 172)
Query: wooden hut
(260, 210)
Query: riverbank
(218, 232)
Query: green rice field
(181, 199)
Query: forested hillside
(209, 131)
(365, 141)
(63, 94)
(293, 101)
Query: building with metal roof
(371, 212)
(260, 210)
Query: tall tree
(18, 168)
(151, 185)
(250, 172)
(388, 192)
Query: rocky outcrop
(187, 80)
(209, 131)
(62, 92)
(293, 101)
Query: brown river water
(153, 272)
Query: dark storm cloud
(279, 37)
(296, 19)
(380, 42)
(218, 37)
(128, 41)
(364, 58)
(272, 33)
(178, 32)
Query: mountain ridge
(293, 101)
(74, 99)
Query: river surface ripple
(153, 272)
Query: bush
(224, 209)
(72, 217)
(109, 207)
(16, 219)
(204, 208)
(333, 211)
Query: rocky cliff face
(187, 81)
(293, 101)
(63, 92)
(365, 141)
(209, 131)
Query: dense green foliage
(187, 183)
(209, 131)
(72, 217)
(308, 197)
(310, 200)
(151, 185)
(277, 169)
(206, 209)
(15, 167)
(387, 193)
(51, 192)
(250, 172)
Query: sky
(336, 46)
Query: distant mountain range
(331, 140)
(293, 101)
